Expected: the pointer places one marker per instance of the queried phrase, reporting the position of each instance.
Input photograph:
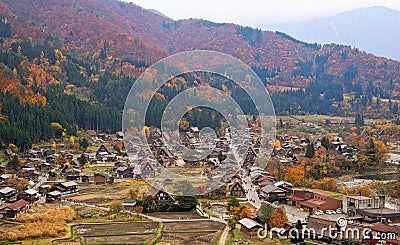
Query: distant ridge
(373, 29)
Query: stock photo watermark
(138, 108)
(340, 231)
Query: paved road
(225, 232)
(293, 214)
(42, 179)
(252, 195)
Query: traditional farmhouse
(237, 190)
(30, 195)
(161, 197)
(147, 170)
(124, 172)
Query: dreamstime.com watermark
(338, 232)
(219, 71)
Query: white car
(319, 212)
(328, 211)
(338, 211)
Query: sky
(258, 13)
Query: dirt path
(224, 235)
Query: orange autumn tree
(279, 218)
(362, 190)
(240, 212)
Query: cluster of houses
(293, 148)
(360, 212)
(49, 175)
(14, 200)
(149, 159)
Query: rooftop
(248, 223)
(69, 184)
(381, 211)
(6, 190)
(359, 197)
(31, 192)
(18, 204)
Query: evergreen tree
(84, 144)
(325, 143)
(310, 151)
(359, 121)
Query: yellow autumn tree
(146, 130)
(277, 144)
(295, 175)
(56, 125)
(13, 148)
(60, 159)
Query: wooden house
(8, 153)
(67, 188)
(237, 190)
(273, 193)
(73, 174)
(124, 172)
(100, 178)
(7, 193)
(155, 134)
(30, 195)
(129, 204)
(53, 197)
(85, 178)
(249, 227)
(105, 154)
(16, 208)
(161, 197)
(147, 171)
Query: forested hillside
(73, 62)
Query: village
(224, 190)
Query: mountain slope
(127, 32)
(73, 62)
(374, 29)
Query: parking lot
(293, 214)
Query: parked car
(319, 212)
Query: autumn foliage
(295, 175)
(52, 223)
(279, 218)
(240, 212)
